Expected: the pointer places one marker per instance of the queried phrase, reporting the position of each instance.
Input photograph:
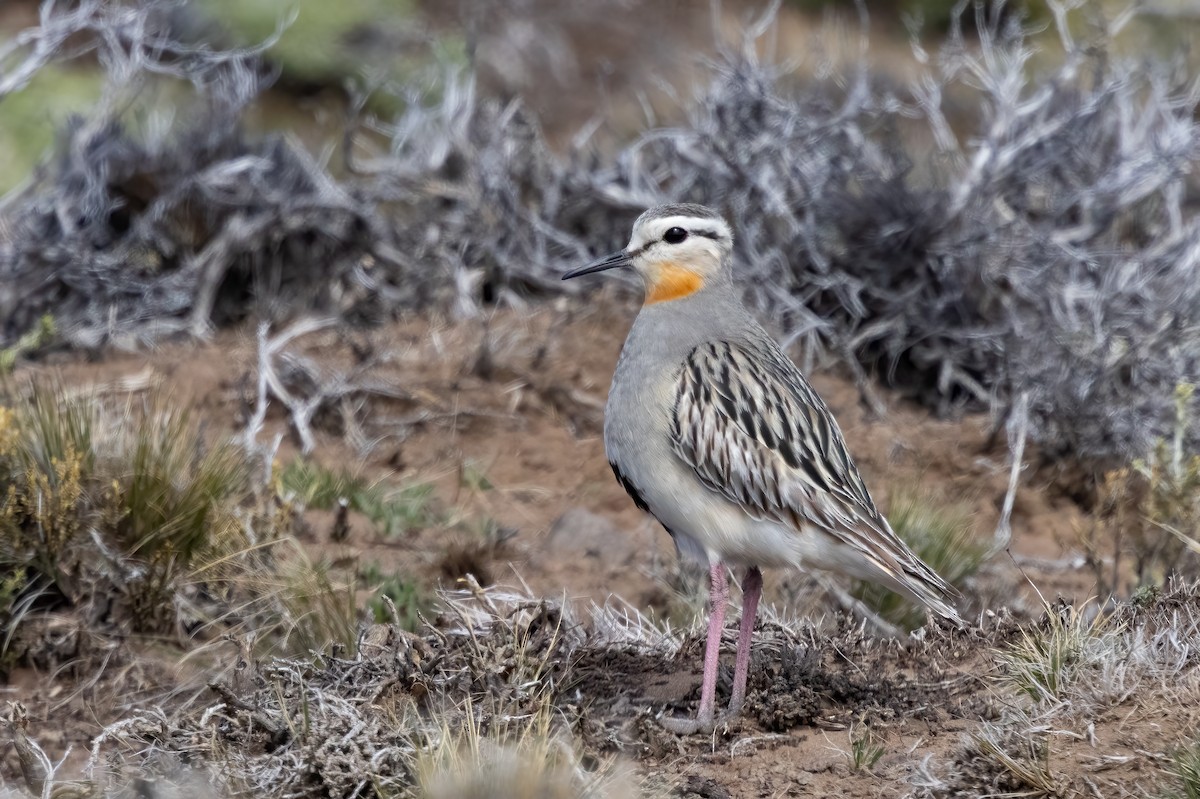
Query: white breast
(705, 524)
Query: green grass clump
(316, 47)
(941, 536)
(401, 510)
(865, 751)
(392, 511)
(1148, 528)
(404, 593)
(134, 504)
(1044, 661)
(1185, 769)
(31, 116)
(172, 502)
(317, 487)
(138, 521)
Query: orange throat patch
(674, 282)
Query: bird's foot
(682, 726)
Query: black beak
(614, 261)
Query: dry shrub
(1032, 237)
(1025, 249)
(1147, 531)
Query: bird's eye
(675, 235)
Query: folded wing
(753, 429)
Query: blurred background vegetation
(322, 52)
(942, 210)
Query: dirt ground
(503, 418)
(518, 399)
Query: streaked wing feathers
(754, 430)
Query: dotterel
(711, 428)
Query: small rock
(579, 532)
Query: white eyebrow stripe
(704, 226)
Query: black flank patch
(630, 489)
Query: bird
(715, 432)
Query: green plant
(139, 510)
(392, 512)
(41, 335)
(50, 426)
(33, 115)
(1150, 514)
(47, 464)
(1043, 661)
(315, 486)
(941, 535)
(1185, 768)
(172, 504)
(13, 586)
(314, 43)
(404, 593)
(864, 750)
(399, 511)
(474, 478)
(132, 505)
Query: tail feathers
(912, 578)
(933, 592)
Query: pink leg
(718, 596)
(751, 591)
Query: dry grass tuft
(1148, 529)
(472, 703)
(1069, 687)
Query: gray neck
(671, 329)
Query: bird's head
(678, 249)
